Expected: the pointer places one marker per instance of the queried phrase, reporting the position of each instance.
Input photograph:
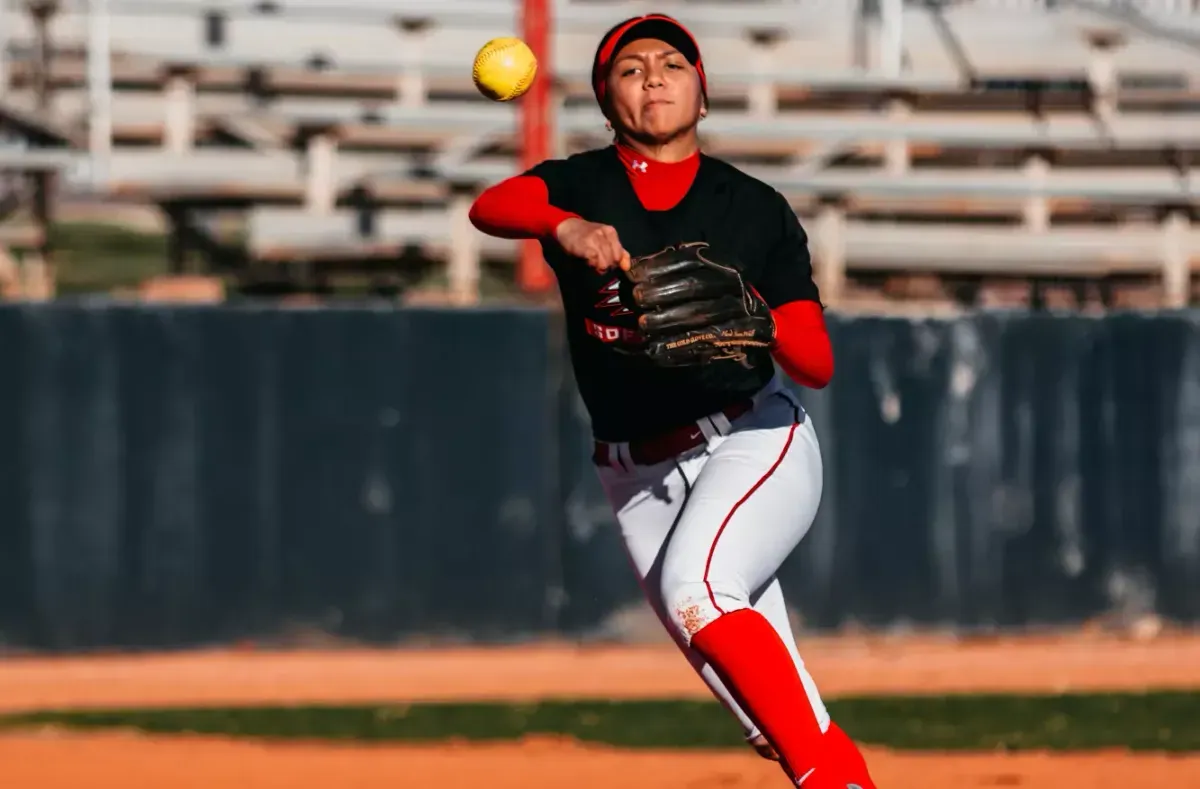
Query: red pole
(533, 275)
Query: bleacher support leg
(1036, 209)
(100, 92)
(763, 98)
(42, 11)
(320, 194)
(10, 275)
(1177, 271)
(897, 155)
(3, 52)
(39, 265)
(830, 259)
(1102, 73)
(177, 218)
(411, 90)
(179, 94)
(891, 38)
(39, 277)
(463, 273)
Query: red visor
(658, 26)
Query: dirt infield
(48, 760)
(119, 761)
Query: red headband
(617, 36)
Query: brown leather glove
(693, 309)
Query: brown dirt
(121, 761)
(49, 760)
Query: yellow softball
(504, 68)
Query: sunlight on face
(654, 92)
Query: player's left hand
(694, 309)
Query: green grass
(95, 257)
(98, 257)
(1163, 721)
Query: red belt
(662, 448)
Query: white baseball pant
(707, 531)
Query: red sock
(845, 757)
(756, 666)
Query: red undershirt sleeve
(518, 207)
(802, 346)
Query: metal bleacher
(977, 139)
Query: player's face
(654, 92)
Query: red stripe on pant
(756, 666)
(712, 550)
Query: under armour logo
(640, 166)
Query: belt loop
(708, 428)
(626, 456)
(620, 456)
(616, 454)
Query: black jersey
(744, 221)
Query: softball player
(683, 281)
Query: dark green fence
(175, 476)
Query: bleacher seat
(1002, 116)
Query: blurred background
(265, 388)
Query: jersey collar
(638, 165)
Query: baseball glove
(693, 309)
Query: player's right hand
(596, 243)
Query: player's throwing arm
(684, 281)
